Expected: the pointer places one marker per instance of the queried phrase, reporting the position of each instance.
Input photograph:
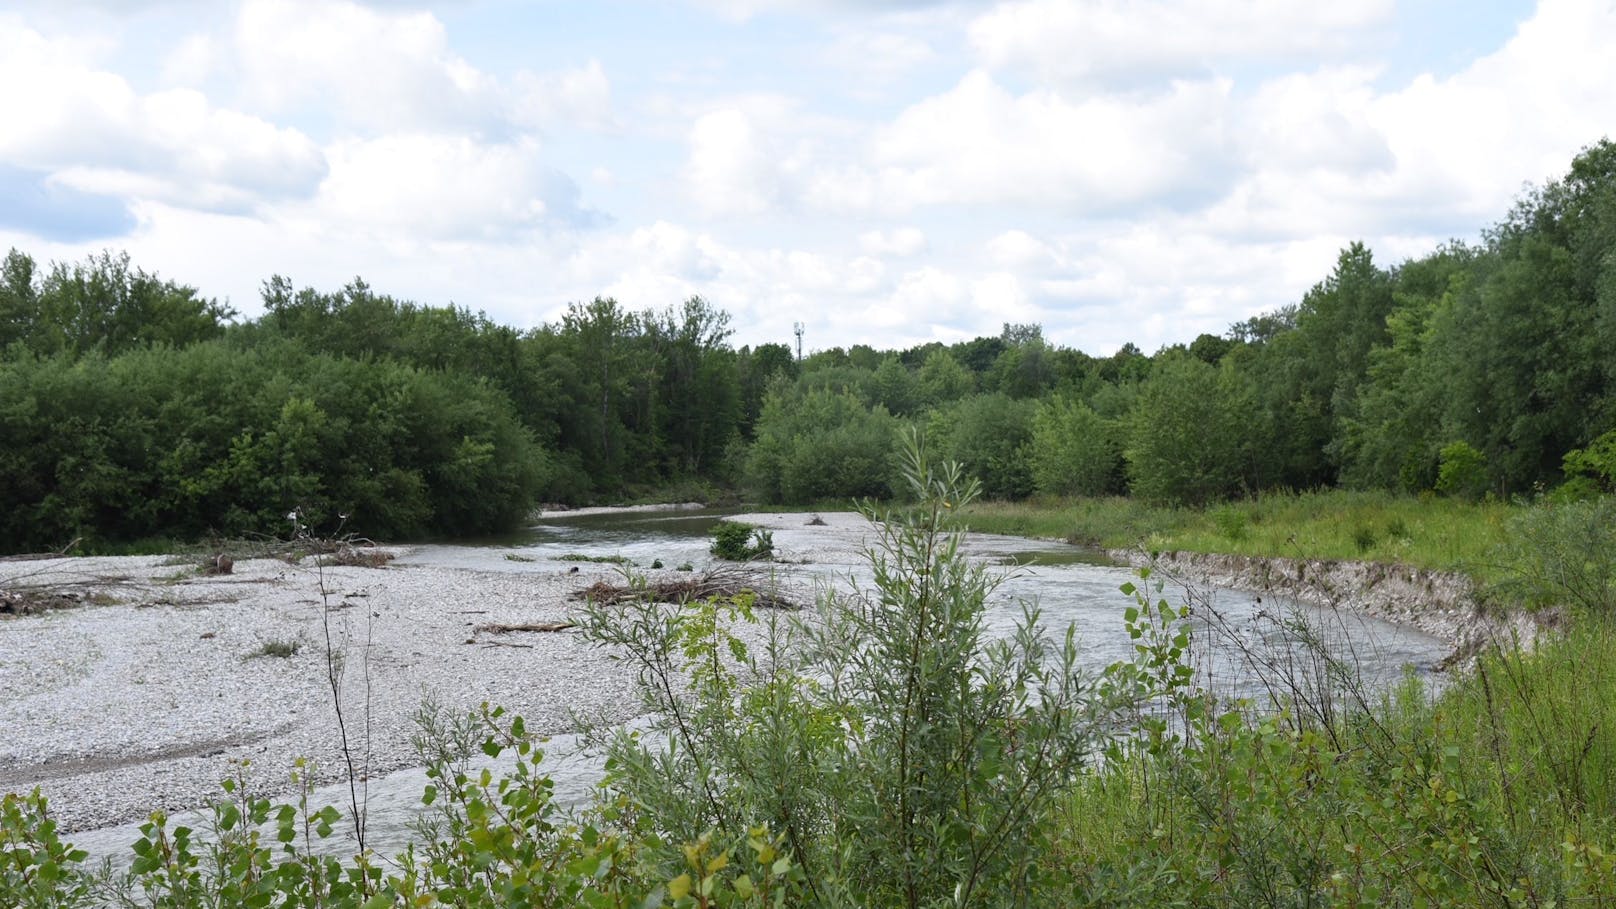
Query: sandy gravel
(152, 693)
(113, 710)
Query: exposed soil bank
(1439, 603)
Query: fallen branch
(716, 583)
(534, 626)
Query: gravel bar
(159, 685)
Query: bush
(905, 759)
(1073, 451)
(1186, 442)
(1562, 554)
(1461, 471)
(211, 438)
(821, 445)
(989, 436)
(740, 542)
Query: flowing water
(1069, 587)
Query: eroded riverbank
(1443, 604)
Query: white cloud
(980, 144)
(93, 132)
(439, 186)
(581, 96)
(1135, 40)
(901, 242)
(1017, 249)
(380, 71)
(730, 172)
(879, 55)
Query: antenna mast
(797, 330)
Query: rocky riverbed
(146, 681)
(152, 694)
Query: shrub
(1562, 554)
(1074, 451)
(740, 542)
(989, 436)
(281, 649)
(906, 759)
(821, 445)
(1186, 434)
(1462, 471)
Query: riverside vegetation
(1452, 411)
(888, 754)
(135, 411)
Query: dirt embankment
(1439, 603)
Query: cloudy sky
(887, 171)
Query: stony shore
(156, 684)
(152, 695)
(163, 680)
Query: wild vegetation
(132, 408)
(890, 753)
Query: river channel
(1069, 586)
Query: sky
(885, 172)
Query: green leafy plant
(1462, 471)
(740, 542)
(905, 757)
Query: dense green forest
(132, 408)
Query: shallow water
(1069, 586)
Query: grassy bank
(1500, 791)
(1437, 533)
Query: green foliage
(1073, 451)
(1187, 438)
(1461, 471)
(37, 869)
(101, 305)
(281, 649)
(821, 445)
(1593, 468)
(603, 559)
(1436, 533)
(942, 379)
(989, 436)
(1561, 554)
(487, 842)
(739, 542)
(905, 758)
(215, 438)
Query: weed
(1230, 521)
(513, 557)
(605, 559)
(277, 648)
(1364, 539)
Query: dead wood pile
(715, 583)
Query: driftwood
(715, 583)
(532, 626)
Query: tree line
(132, 407)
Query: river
(1069, 585)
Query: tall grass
(1436, 533)
(1499, 791)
